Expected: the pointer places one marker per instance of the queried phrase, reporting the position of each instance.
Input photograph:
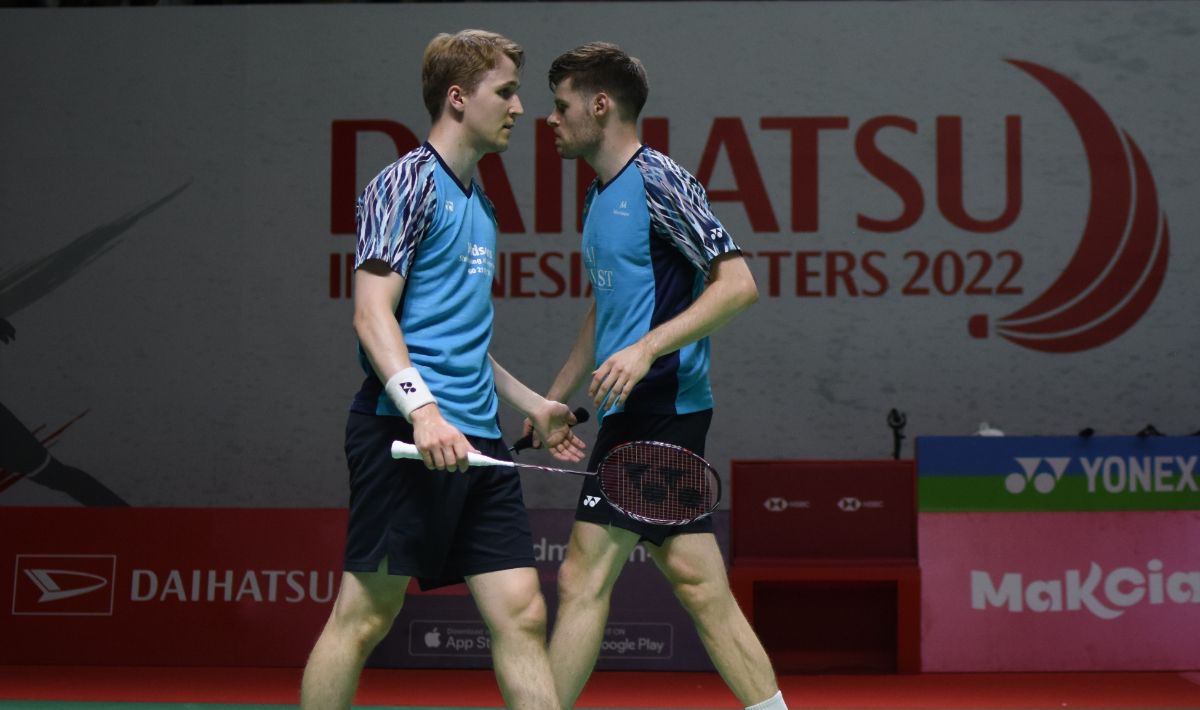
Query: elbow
(361, 323)
(747, 294)
(750, 294)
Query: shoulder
(411, 175)
(661, 173)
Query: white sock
(775, 702)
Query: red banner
(166, 586)
(253, 587)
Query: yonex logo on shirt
(591, 501)
(449, 206)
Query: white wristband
(408, 391)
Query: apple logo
(433, 638)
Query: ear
(456, 98)
(601, 104)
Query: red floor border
(477, 688)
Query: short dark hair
(601, 66)
(462, 58)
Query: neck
(459, 155)
(614, 153)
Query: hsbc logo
(850, 504)
(64, 585)
(775, 504)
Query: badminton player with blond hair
(423, 316)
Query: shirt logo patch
(480, 260)
(601, 279)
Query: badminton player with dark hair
(424, 264)
(665, 275)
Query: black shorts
(433, 525)
(686, 430)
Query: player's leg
(397, 522)
(512, 605)
(366, 606)
(693, 565)
(595, 556)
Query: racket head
(659, 483)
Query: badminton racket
(648, 481)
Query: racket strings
(659, 483)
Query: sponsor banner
(166, 586)
(253, 587)
(1058, 473)
(971, 219)
(823, 510)
(1068, 591)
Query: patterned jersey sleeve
(396, 211)
(679, 210)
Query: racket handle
(405, 450)
(581, 416)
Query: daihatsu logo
(64, 585)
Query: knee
(578, 582)
(699, 595)
(363, 628)
(526, 614)
(531, 618)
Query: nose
(552, 119)
(516, 109)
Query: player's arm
(377, 292)
(580, 360)
(576, 369)
(551, 420)
(729, 291)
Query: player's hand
(614, 379)
(551, 425)
(442, 446)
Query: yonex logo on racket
(591, 501)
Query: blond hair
(462, 58)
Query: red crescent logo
(1119, 265)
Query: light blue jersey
(441, 237)
(649, 239)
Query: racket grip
(581, 416)
(405, 450)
